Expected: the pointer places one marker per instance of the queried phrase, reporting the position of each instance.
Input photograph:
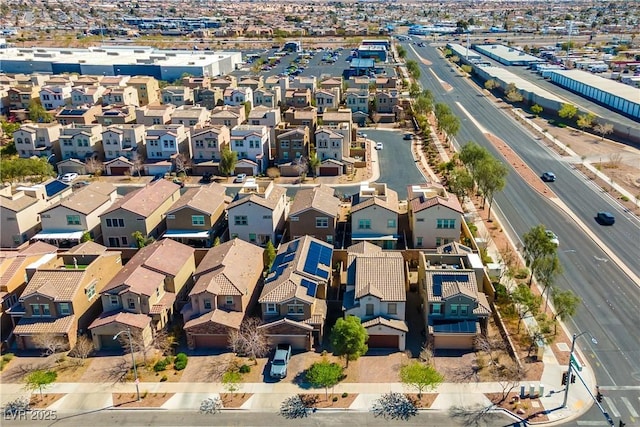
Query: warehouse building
(507, 55)
(168, 65)
(613, 95)
(464, 53)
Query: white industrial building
(165, 65)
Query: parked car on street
(379, 146)
(280, 361)
(240, 177)
(553, 238)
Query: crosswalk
(621, 406)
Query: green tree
(86, 237)
(450, 124)
(491, 85)
(566, 304)
(466, 68)
(348, 338)
(414, 90)
(491, 176)
(17, 169)
(420, 376)
(471, 155)
(547, 270)
(228, 161)
(216, 241)
(567, 111)
(37, 113)
(424, 102)
(141, 240)
(460, 183)
(402, 52)
(585, 121)
(40, 379)
(314, 163)
(537, 247)
(269, 254)
(536, 109)
(324, 374)
(231, 380)
(8, 128)
(527, 302)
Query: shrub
(180, 362)
(501, 291)
(335, 398)
(6, 358)
(562, 125)
(163, 379)
(160, 365)
(244, 369)
(624, 198)
(521, 273)
(345, 394)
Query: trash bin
(541, 390)
(532, 391)
(522, 393)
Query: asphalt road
(611, 301)
(109, 418)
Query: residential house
(278, 85)
(117, 115)
(293, 299)
(123, 140)
(37, 139)
(265, 116)
(148, 89)
(332, 84)
(164, 141)
(151, 115)
(119, 96)
(65, 223)
(252, 143)
(207, 143)
(331, 145)
(83, 115)
(266, 98)
(386, 83)
(358, 82)
(197, 82)
(209, 98)
(340, 121)
(13, 278)
(21, 96)
(357, 100)
(253, 82)
(376, 293)
(229, 116)
(54, 97)
(140, 210)
(386, 101)
(81, 142)
(374, 215)
(225, 292)
(122, 166)
(143, 293)
(119, 80)
(61, 297)
(296, 117)
(19, 210)
(238, 96)
(456, 311)
(297, 98)
(86, 95)
(326, 99)
(435, 216)
(177, 95)
(291, 146)
(198, 216)
(304, 82)
(314, 212)
(224, 82)
(258, 212)
(192, 117)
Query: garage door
(297, 342)
(108, 343)
(119, 170)
(211, 341)
(329, 171)
(383, 341)
(448, 342)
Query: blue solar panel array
(312, 287)
(439, 279)
(318, 254)
(464, 327)
(55, 187)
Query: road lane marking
(612, 407)
(592, 423)
(629, 407)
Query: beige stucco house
(314, 212)
(435, 216)
(374, 215)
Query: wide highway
(610, 308)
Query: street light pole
(133, 359)
(573, 345)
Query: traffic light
(599, 397)
(573, 379)
(564, 378)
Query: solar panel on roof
(311, 287)
(463, 327)
(437, 285)
(322, 273)
(293, 246)
(54, 187)
(325, 255)
(289, 257)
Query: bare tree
(119, 371)
(603, 129)
(84, 347)
(50, 343)
(491, 346)
(474, 415)
(182, 164)
(615, 159)
(302, 167)
(249, 339)
(139, 342)
(509, 378)
(138, 163)
(94, 166)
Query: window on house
(124, 240)
(207, 304)
(197, 220)
(252, 237)
(35, 310)
(446, 223)
(131, 303)
(392, 308)
(45, 310)
(391, 223)
(73, 219)
(91, 291)
(369, 310)
(64, 308)
(330, 239)
(114, 300)
(419, 241)
(364, 224)
(295, 309)
(240, 220)
(419, 219)
(464, 309)
(229, 300)
(322, 222)
(271, 308)
(454, 309)
(436, 308)
(294, 218)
